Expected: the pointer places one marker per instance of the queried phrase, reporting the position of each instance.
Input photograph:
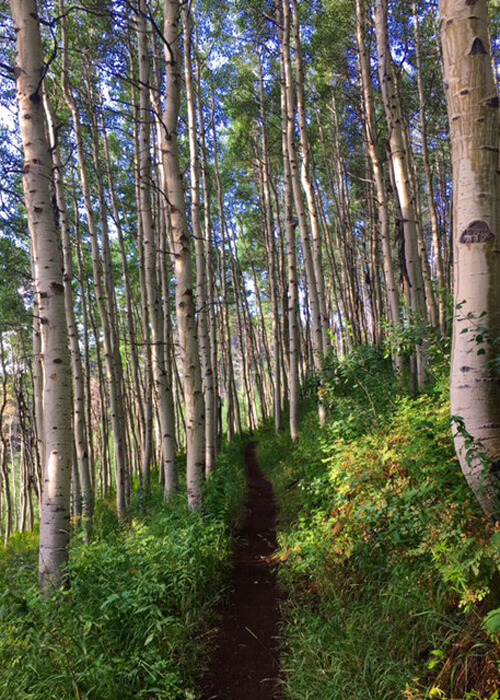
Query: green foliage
(357, 389)
(402, 338)
(388, 563)
(132, 624)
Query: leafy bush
(132, 624)
(388, 563)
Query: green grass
(387, 562)
(134, 622)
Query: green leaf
(491, 622)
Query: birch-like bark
(131, 323)
(431, 205)
(4, 464)
(431, 304)
(473, 110)
(272, 261)
(199, 242)
(48, 280)
(77, 377)
(293, 288)
(110, 325)
(307, 183)
(291, 150)
(37, 384)
(111, 352)
(208, 237)
(153, 288)
(233, 406)
(86, 350)
(376, 166)
(193, 395)
(399, 162)
(168, 348)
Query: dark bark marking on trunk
(478, 48)
(476, 232)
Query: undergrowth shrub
(133, 622)
(389, 565)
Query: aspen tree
(245, 372)
(4, 469)
(108, 310)
(431, 205)
(207, 237)
(131, 323)
(165, 275)
(272, 261)
(79, 422)
(153, 288)
(369, 124)
(282, 290)
(291, 253)
(473, 110)
(86, 351)
(233, 406)
(37, 381)
(193, 395)
(399, 165)
(345, 243)
(104, 296)
(291, 151)
(265, 389)
(163, 245)
(307, 183)
(201, 266)
(48, 281)
(431, 304)
(147, 257)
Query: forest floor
(245, 663)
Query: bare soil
(245, 664)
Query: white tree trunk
(400, 165)
(370, 126)
(57, 436)
(307, 182)
(436, 243)
(291, 151)
(473, 110)
(193, 396)
(79, 423)
(153, 288)
(291, 254)
(200, 245)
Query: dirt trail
(245, 663)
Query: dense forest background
(249, 217)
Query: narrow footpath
(245, 664)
